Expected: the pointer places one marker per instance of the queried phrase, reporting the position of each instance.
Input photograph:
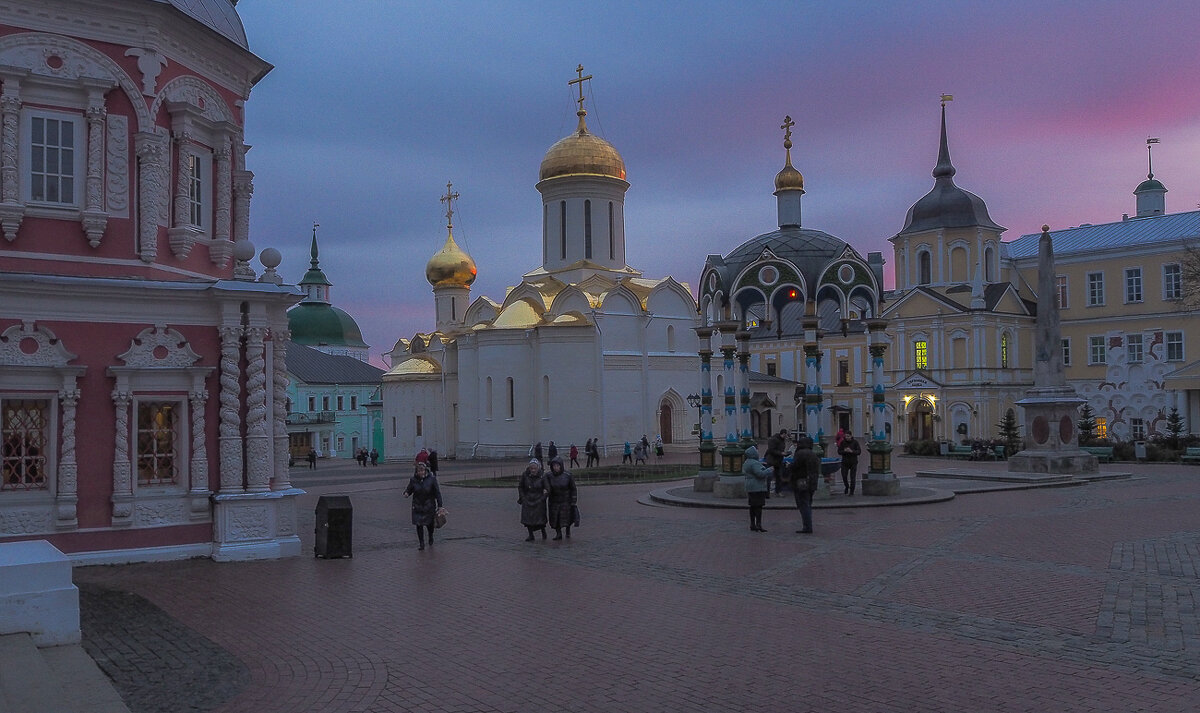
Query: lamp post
(694, 401)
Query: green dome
(1150, 184)
(322, 324)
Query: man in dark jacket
(806, 471)
(849, 450)
(776, 445)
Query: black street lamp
(695, 401)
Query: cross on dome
(579, 81)
(449, 199)
(787, 131)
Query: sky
(374, 105)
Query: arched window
(921, 354)
(989, 265)
(670, 337)
(612, 234)
(545, 396)
(587, 229)
(562, 228)
(512, 399)
(1004, 351)
(925, 268)
(487, 398)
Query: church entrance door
(664, 422)
(920, 422)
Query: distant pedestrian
(774, 457)
(433, 462)
(658, 447)
(639, 454)
(532, 489)
(805, 472)
(563, 498)
(587, 451)
(645, 444)
(426, 499)
(757, 478)
(374, 457)
(423, 456)
(627, 456)
(552, 451)
(361, 457)
(574, 456)
(849, 450)
(537, 453)
(312, 459)
(596, 450)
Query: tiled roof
(316, 367)
(1123, 233)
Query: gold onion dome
(451, 266)
(789, 179)
(582, 153)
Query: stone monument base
(704, 480)
(255, 526)
(37, 595)
(1058, 461)
(880, 484)
(729, 485)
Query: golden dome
(416, 365)
(789, 179)
(451, 266)
(582, 153)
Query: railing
(296, 418)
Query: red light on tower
(792, 294)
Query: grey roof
(757, 377)
(316, 367)
(809, 250)
(1124, 233)
(946, 205)
(219, 15)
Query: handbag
(439, 517)
(575, 515)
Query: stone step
(59, 678)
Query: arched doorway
(665, 421)
(920, 421)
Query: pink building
(142, 376)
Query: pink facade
(142, 384)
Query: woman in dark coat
(563, 497)
(531, 495)
(426, 499)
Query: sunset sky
(373, 106)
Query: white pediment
(159, 347)
(916, 381)
(26, 344)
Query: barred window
(158, 433)
(1101, 427)
(24, 433)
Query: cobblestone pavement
(1060, 599)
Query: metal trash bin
(335, 520)
(1139, 450)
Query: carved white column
(198, 465)
(153, 169)
(94, 219)
(67, 487)
(182, 233)
(243, 188)
(258, 438)
(11, 209)
(122, 497)
(222, 247)
(230, 397)
(279, 375)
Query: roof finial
(312, 251)
(944, 168)
(787, 136)
(449, 199)
(582, 112)
(1149, 158)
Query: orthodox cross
(449, 199)
(580, 81)
(787, 131)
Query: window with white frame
(1137, 428)
(1174, 346)
(1133, 284)
(324, 403)
(1066, 352)
(24, 435)
(158, 426)
(1134, 348)
(312, 403)
(1097, 352)
(1095, 283)
(353, 402)
(1060, 290)
(341, 401)
(54, 149)
(1172, 281)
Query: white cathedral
(583, 347)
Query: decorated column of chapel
(582, 347)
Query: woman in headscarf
(531, 495)
(757, 474)
(426, 499)
(563, 497)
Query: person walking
(587, 451)
(433, 462)
(806, 470)
(596, 450)
(426, 499)
(532, 489)
(627, 456)
(849, 450)
(574, 456)
(312, 459)
(563, 498)
(537, 453)
(374, 457)
(658, 448)
(774, 457)
(552, 451)
(639, 454)
(423, 456)
(757, 478)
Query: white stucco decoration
(150, 64)
(159, 347)
(26, 344)
(198, 93)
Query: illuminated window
(921, 351)
(24, 433)
(1101, 427)
(1060, 290)
(1004, 351)
(158, 425)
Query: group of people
(800, 470)
(363, 455)
(640, 451)
(429, 458)
(548, 498)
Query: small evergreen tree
(1175, 427)
(1010, 432)
(1087, 424)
